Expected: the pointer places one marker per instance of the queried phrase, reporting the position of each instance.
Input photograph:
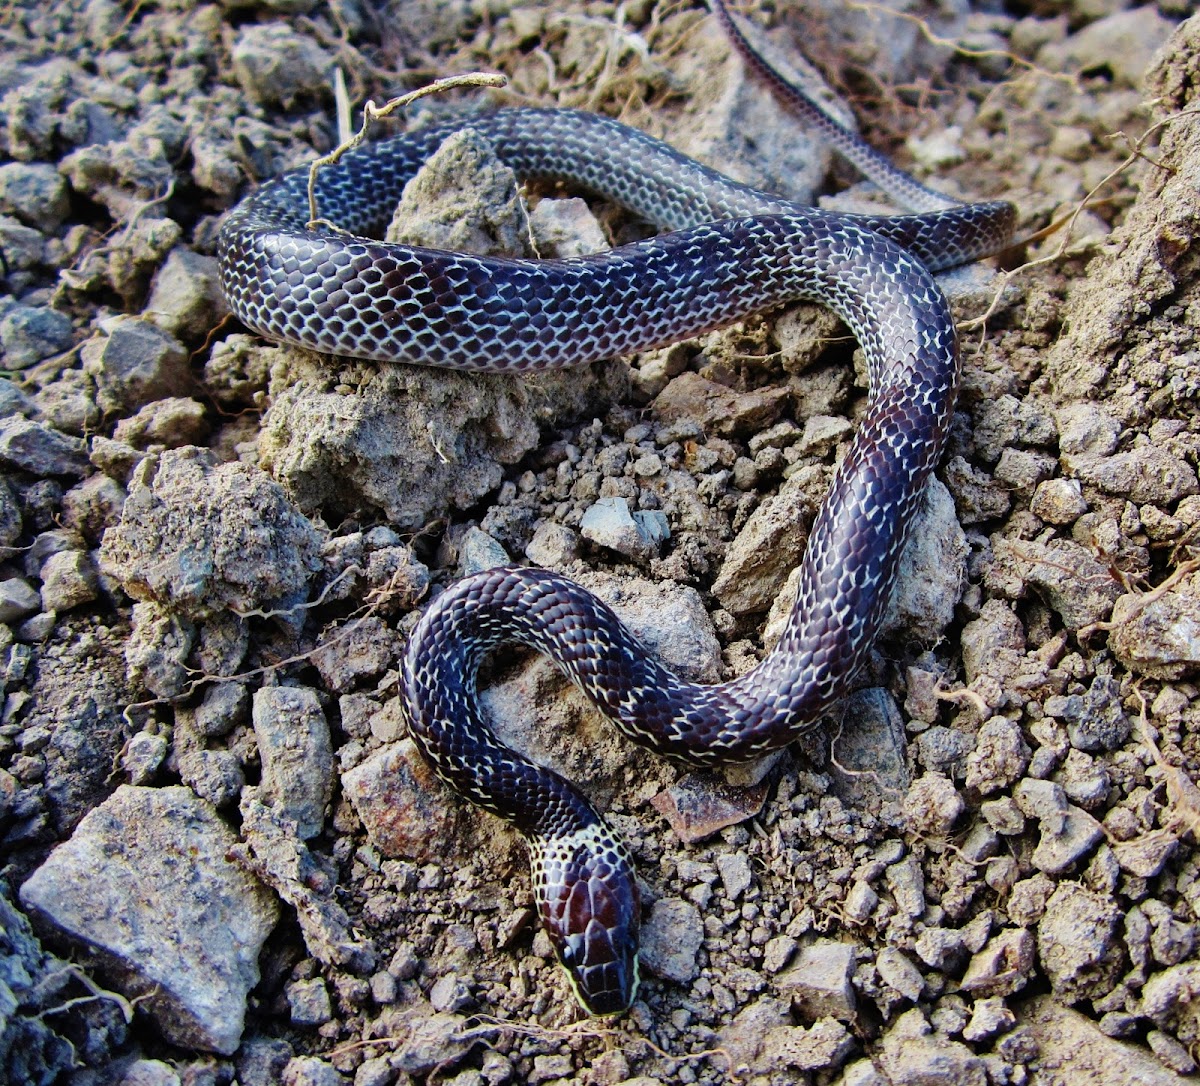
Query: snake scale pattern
(730, 251)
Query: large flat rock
(144, 887)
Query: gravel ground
(223, 860)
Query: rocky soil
(223, 860)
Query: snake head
(590, 907)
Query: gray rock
(736, 875)
(68, 581)
(729, 122)
(870, 750)
(933, 571)
(169, 422)
(977, 496)
(23, 247)
(485, 217)
(671, 939)
(1066, 840)
(261, 1061)
(223, 707)
(136, 363)
(1067, 575)
(274, 852)
(18, 599)
(93, 506)
(360, 649)
(553, 546)
(989, 1017)
(861, 901)
(746, 1037)
(609, 523)
(29, 334)
(311, 1070)
(40, 450)
(158, 648)
(214, 775)
(309, 1003)
(940, 948)
(1072, 1049)
(297, 755)
(35, 193)
(145, 885)
(1156, 634)
(13, 401)
(30, 1048)
(825, 1046)
(913, 1055)
(202, 537)
(1000, 756)
(432, 1040)
(1170, 1052)
(566, 228)
(1171, 999)
(1058, 501)
(819, 982)
(932, 806)
(1085, 429)
(1147, 473)
(143, 754)
(994, 643)
(150, 1073)
(479, 551)
(1078, 943)
(906, 881)
(898, 972)
(186, 298)
(765, 551)
(1122, 43)
(277, 66)
(778, 952)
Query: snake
(727, 251)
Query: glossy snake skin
(732, 251)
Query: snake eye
(567, 954)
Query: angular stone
(1158, 635)
(201, 537)
(819, 982)
(186, 298)
(136, 363)
(912, 1055)
(297, 755)
(1003, 966)
(1078, 943)
(718, 409)
(896, 971)
(145, 885)
(18, 599)
(39, 449)
(699, 805)
(408, 813)
(671, 939)
(1073, 1051)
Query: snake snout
(591, 909)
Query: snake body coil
(732, 251)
